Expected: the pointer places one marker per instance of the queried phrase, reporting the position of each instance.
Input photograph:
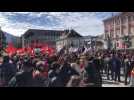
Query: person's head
(6, 59)
(15, 59)
(66, 59)
(55, 66)
(38, 63)
(83, 60)
(27, 66)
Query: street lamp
(127, 41)
(109, 44)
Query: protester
(93, 74)
(127, 69)
(117, 68)
(67, 68)
(8, 70)
(24, 78)
(132, 78)
(74, 81)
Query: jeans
(117, 75)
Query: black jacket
(66, 72)
(8, 71)
(93, 74)
(22, 79)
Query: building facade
(34, 37)
(2, 40)
(17, 42)
(57, 39)
(69, 38)
(73, 39)
(118, 27)
(49, 37)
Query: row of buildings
(52, 38)
(118, 34)
(56, 38)
(118, 30)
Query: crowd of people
(66, 69)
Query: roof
(30, 31)
(70, 34)
(64, 33)
(73, 33)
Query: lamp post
(109, 44)
(127, 41)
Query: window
(124, 20)
(117, 44)
(129, 18)
(132, 18)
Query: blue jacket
(115, 63)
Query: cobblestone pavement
(111, 83)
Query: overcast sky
(86, 23)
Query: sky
(85, 23)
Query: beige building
(117, 27)
(69, 38)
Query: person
(24, 78)
(75, 65)
(93, 76)
(112, 64)
(74, 81)
(97, 73)
(40, 76)
(97, 61)
(107, 67)
(8, 70)
(132, 78)
(83, 62)
(1, 61)
(54, 70)
(20, 64)
(127, 69)
(117, 68)
(101, 63)
(66, 71)
(53, 75)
